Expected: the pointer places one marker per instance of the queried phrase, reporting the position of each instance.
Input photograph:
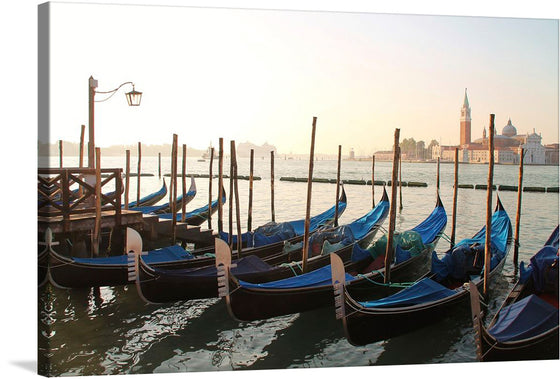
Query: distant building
(551, 154)
(465, 122)
(506, 145)
(387, 155)
(352, 154)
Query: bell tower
(465, 121)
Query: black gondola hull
(544, 346)
(249, 304)
(360, 323)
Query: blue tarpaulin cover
(165, 254)
(314, 278)
(298, 226)
(539, 263)
(155, 208)
(553, 239)
(362, 226)
(423, 291)
(412, 241)
(432, 226)
(317, 221)
(339, 235)
(526, 318)
(456, 261)
(194, 213)
(245, 237)
(161, 191)
(246, 264)
(273, 232)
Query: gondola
(158, 285)
(166, 208)
(150, 199)
(429, 298)
(198, 216)
(70, 272)
(526, 326)
(249, 301)
(275, 232)
(67, 272)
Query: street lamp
(133, 98)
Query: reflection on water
(109, 330)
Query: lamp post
(133, 98)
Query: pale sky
(261, 76)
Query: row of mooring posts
(234, 193)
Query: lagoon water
(111, 331)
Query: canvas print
(244, 189)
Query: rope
(291, 267)
(489, 349)
(396, 285)
(446, 237)
(481, 299)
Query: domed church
(506, 144)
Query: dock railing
(56, 199)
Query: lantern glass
(134, 97)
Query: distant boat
(207, 153)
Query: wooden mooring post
(272, 186)
(81, 152)
(392, 209)
(305, 252)
(97, 226)
(337, 185)
(373, 181)
(518, 212)
(455, 191)
(250, 210)
(60, 153)
(159, 165)
(400, 180)
(210, 175)
(173, 202)
(488, 241)
(126, 179)
(230, 214)
(139, 171)
(220, 184)
(236, 196)
(184, 182)
(437, 174)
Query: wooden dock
(68, 213)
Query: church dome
(509, 130)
